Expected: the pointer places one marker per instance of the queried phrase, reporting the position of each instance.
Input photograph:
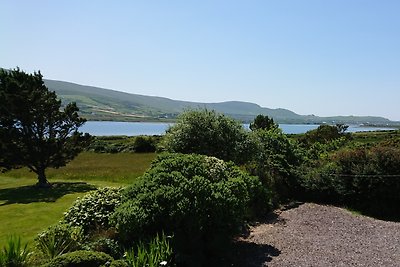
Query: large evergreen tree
(34, 130)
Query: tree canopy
(263, 122)
(208, 133)
(34, 130)
(324, 134)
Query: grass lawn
(26, 210)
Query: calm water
(102, 128)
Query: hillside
(104, 104)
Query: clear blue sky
(322, 57)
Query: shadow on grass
(31, 193)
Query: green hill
(104, 104)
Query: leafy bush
(324, 134)
(262, 122)
(201, 200)
(81, 258)
(59, 239)
(14, 253)
(92, 211)
(144, 144)
(106, 245)
(275, 160)
(158, 252)
(208, 133)
(367, 179)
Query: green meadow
(26, 210)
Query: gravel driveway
(318, 235)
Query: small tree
(34, 131)
(263, 122)
(324, 134)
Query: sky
(322, 57)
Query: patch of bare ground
(319, 235)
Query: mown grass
(26, 210)
(121, 168)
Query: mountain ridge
(98, 103)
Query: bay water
(107, 128)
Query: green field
(26, 210)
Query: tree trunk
(42, 180)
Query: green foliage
(92, 211)
(118, 144)
(34, 131)
(144, 144)
(106, 245)
(81, 258)
(157, 252)
(320, 151)
(119, 263)
(364, 178)
(59, 239)
(208, 133)
(201, 200)
(262, 122)
(275, 160)
(14, 254)
(324, 134)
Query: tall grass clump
(14, 253)
(59, 239)
(158, 252)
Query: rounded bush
(144, 144)
(81, 258)
(201, 200)
(92, 211)
(106, 245)
(208, 133)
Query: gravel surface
(318, 235)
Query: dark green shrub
(144, 144)
(106, 245)
(324, 134)
(208, 133)
(92, 211)
(201, 200)
(263, 122)
(59, 239)
(119, 263)
(367, 179)
(275, 160)
(81, 258)
(322, 184)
